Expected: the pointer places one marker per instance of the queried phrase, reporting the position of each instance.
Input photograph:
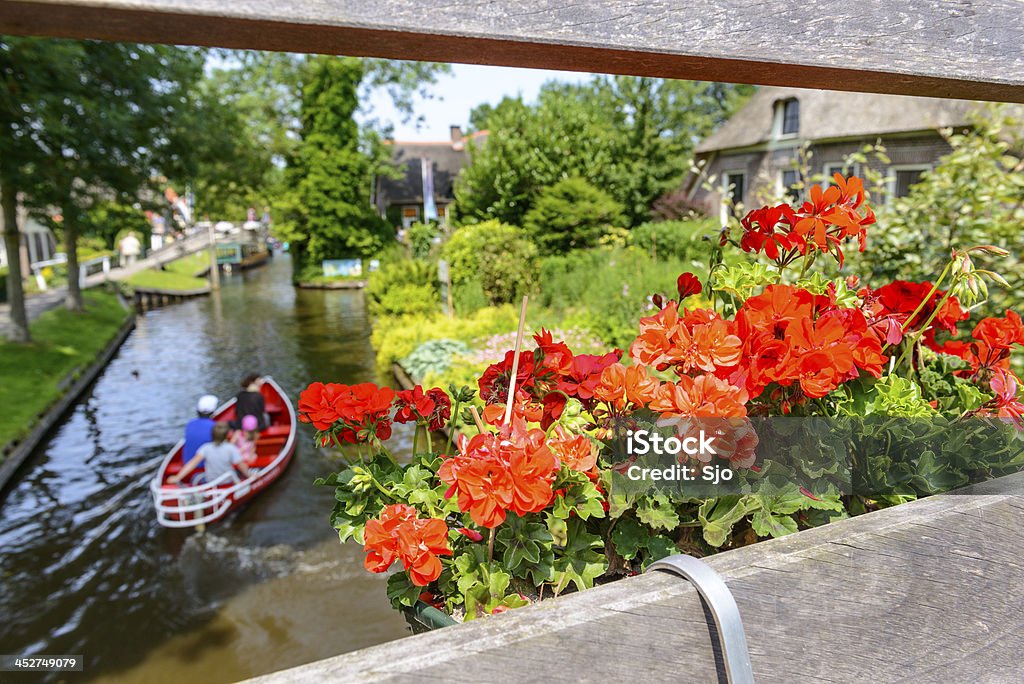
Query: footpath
(35, 306)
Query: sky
(457, 94)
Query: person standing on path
(130, 248)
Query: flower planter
(425, 618)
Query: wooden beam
(928, 591)
(939, 48)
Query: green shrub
(396, 337)
(686, 240)
(499, 257)
(606, 291)
(572, 214)
(421, 239)
(407, 299)
(468, 297)
(433, 356)
(403, 287)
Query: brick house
(758, 148)
(402, 201)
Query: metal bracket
(723, 608)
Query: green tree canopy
(571, 214)
(331, 216)
(631, 137)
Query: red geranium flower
(400, 534)
(687, 284)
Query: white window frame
(723, 209)
(778, 118)
(832, 167)
(780, 182)
(890, 186)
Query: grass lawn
(190, 265)
(153, 279)
(62, 341)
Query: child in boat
(245, 440)
(220, 455)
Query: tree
(631, 137)
(32, 73)
(94, 128)
(331, 216)
(571, 214)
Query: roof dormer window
(787, 118)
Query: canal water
(85, 569)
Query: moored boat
(190, 506)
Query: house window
(844, 170)
(409, 216)
(734, 186)
(903, 177)
(789, 117)
(788, 179)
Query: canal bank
(87, 570)
(40, 380)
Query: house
(37, 242)
(758, 149)
(431, 165)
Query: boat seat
(276, 431)
(273, 407)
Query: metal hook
(723, 608)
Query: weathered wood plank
(941, 48)
(931, 591)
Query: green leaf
(767, 524)
(579, 563)
(718, 516)
(401, 590)
(657, 511)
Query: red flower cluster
(433, 407)
(831, 216)
(496, 473)
(989, 351)
(548, 377)
(356, 411)
(889, 309)
(786, 336)
(400, 534)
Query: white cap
(207, 404)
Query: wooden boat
(190, 506)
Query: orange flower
(704, 395)
(400, 534)
(495, 473)
(611, 389)
(576, 452)
(641, 388)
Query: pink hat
(249, 423)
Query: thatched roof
(827, 114)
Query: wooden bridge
(155, 259)
(929, 591)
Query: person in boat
(199, 430)
(249, 402)
(245, 440)
(219, 457)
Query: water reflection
(85, 568)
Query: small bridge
(104, 270)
